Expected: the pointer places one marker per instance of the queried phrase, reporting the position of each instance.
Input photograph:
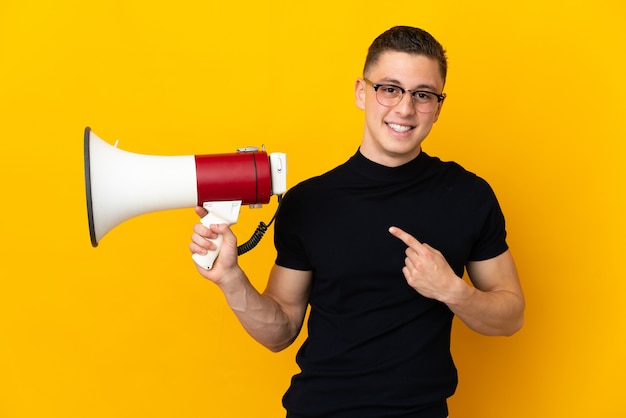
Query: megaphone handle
(219, 213)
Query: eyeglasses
(390, 95)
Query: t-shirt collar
(376, 171)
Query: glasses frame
(376, 86)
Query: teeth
(399, 128)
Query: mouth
(399, 128)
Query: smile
(399, 128)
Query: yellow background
(536, 105)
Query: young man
(377, 248)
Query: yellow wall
(535, 104)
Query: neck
(389, 158)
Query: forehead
(407, 70)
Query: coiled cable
(258, 233)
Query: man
(377, 248)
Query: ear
(359, 93)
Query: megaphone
(121, 185)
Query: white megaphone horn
(121, 185)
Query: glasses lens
(425, 102)
(388, 95)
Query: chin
(401, 156)
(402, 147)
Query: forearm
(496, 312)
(260, 315)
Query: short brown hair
(410, 40)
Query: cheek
(374, 115)
(429, 119)
(437, 112)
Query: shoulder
(322, 183)
(454, 174)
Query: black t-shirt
(376, 347)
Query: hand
(201, 244)
(426, 270)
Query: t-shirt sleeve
(491, 228)
(288, 232)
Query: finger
(221, 229)
(201, 212)
(229, 237)
(431, 249)
(409, 264)
(200, 240)
(197, 249)
(405, 237)
(204, 231)
(202, 244)
(212, 231)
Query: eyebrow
(397, 83)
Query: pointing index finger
(405, 237)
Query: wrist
(231, 280)
(460, 293)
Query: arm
(494, 305)
(273, 318)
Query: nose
(405, 106)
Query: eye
(423, 96)
(389, 90)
